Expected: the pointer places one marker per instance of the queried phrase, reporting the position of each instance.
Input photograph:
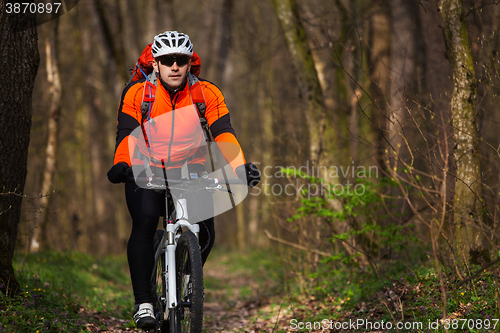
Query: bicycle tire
(159, 286)
(188, 315)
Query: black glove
(119, 173)
(248, 173)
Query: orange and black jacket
(216, 114)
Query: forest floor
(235, 301)
(74, 292)
(249, 298)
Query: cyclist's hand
(119, 173)
(248, 173)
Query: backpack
(144, 69)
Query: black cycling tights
(145, 207)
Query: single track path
(233, 301)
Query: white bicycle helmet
(171, 42)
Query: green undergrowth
(60, 288)
(405, 294)
(403, 291)
(400, 287)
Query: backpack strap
(132, 71)
(152, 77)
(149, 96)
(199, 100)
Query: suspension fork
(170, 256)
(182, 221)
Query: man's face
(173, 68)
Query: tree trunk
(405, 56)
(406, 64)
(378, 53)
(170, 22)
(470, 241)
(39, 238)
(117, 68)
(307, 77)
(241, 227)
(19, 65)
(152, 21)
(206, 46)
(130, 36)
(225, 41)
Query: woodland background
(324, 84)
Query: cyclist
(172, 52)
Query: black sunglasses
(168, 60)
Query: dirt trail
(232, 303)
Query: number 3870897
(31, 7)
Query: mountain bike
(177, 278)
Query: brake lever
(219, 188)
(213, 188)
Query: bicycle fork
(182, 221)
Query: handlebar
(207, 183)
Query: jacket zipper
(172, 130)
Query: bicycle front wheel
(188, 315)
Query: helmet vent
(166, 42)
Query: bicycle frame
(173, 223)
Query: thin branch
(478, 272)
(325, 254)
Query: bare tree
(225, 39)
(378, 57)
(117, 66)
(19, 65)
(470, 241)
(310, 88)
(39, 238)
(405, 63)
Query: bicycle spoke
(189, 284)
(159, 286)
(185, 315)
